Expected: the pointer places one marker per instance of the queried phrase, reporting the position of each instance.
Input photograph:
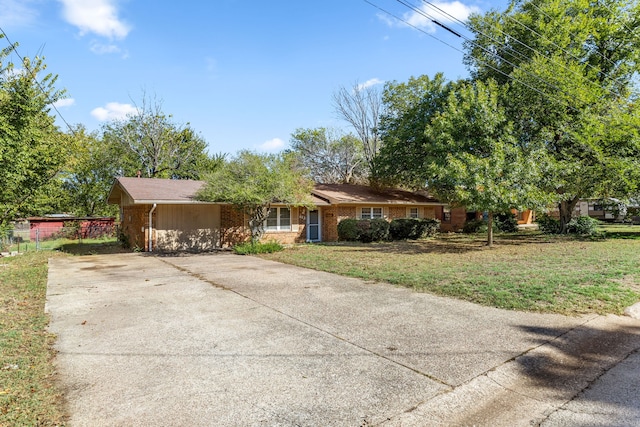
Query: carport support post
(151, 227)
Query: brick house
(163, 214)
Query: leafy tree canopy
(150, 142)
(329, 156)
(252, 182)
(572, 67)
(32, 150)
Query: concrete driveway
(226, 340)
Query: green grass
(525, 271)
(28, 395)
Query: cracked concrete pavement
(220, 339)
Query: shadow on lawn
(452, 243)
(578, 357)
(79, 248)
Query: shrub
(584, 225)
(348, 230)
(475, 226)
(548, 224)
(249, 248)
(379, 229)
(506, 222)
(413, 228)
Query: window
(413, 213)
(446, 215)
(370, 213)
(279, 219)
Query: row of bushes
(374, 230)
(583, 225)
(505, 222)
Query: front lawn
(524, 271)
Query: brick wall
(458, 218)
(397, 212)
(135, 225)
(233, 226)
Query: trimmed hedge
(413, 228)
(375, 230)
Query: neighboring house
(609, 209)
(167, 211)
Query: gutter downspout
(151, 227)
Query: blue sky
(244, 74)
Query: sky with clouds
(243, 74)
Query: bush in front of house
(363, 230)
(548, 224)
(506, 222)
(373, 230)
(348, 230)
(413, 228)
(475, 226)
(249, 248)
(583, 225)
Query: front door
(313, 226)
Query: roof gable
(154, 190)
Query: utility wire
(551, 85)
(545, 95)
(521, 55)
(13, 47)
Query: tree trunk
(490, 230)
(257, 217)
(566, 208)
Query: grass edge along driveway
(525, 271)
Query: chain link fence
(24, 237)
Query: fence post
(37, 239)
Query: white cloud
(17, 13)
(101, 49)
(113, 111)
(272, 145)
(67, 102)
(95, 16)
(369, 83)
(442, 11)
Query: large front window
(278, 219)
(370, 213)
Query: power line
(13, 47)
(545, 95)
(467, 39)
(510, 49)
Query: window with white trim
(413, 213)
(279, 219)
(370, 213)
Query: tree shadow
(452, 243)
(570, 361)
(102, 248)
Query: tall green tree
(252, 182)
(571, 66)
(409, 108)
(150, 142)
(89, 175)
(32, 150)
(329, 156)
(473, 158)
